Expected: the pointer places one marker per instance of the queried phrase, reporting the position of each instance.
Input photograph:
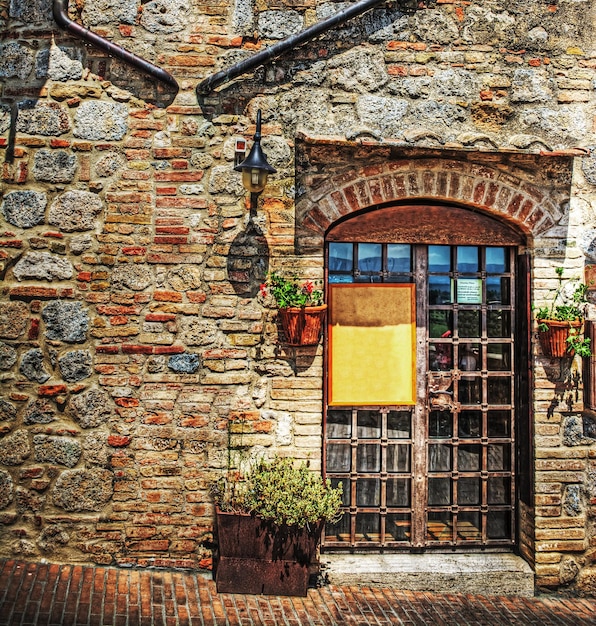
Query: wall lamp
(255, 169)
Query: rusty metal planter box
(259, 557)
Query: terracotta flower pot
(554, 340)
(259, 557)
(303, 326)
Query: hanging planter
(554, 340)
(303, 326)
(301, 308)
(560, 325)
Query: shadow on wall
(50, 62)
(248, 260)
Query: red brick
(170, 239)
(169, 153)
(180, 177)
(180, 203)
(196, 296)
(160, 317)
(119, 441)
(169, 349)
(107, 349)
(33, 329)
(34, 292)
(128, 348)
(51, 390)
(134, 250)
(127, 402)
(167, 296)
(186, 60)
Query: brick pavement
(65, 595)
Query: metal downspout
(293, 41)
(60, 10)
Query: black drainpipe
(293, 41)
(60, 9)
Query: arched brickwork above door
(525, 190)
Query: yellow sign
(372, 342)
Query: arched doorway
(426, 375)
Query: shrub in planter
(269, 523)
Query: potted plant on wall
(269, 524)
(560, 325)
(301, 308)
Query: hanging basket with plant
(301, 308)
(560, 325)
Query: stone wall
(133, 341)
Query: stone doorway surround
(337, 177)
(532, 190)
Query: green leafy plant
(567, 305)
(291, 292)
(281, 491)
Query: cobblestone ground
(36, 594)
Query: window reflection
(498, 457)
(439, 258)
(470, 390)
(498, 323)
(468, 491)
(499, 390)
(467, 259)
(439, 290)
(440, 323)
(468, 324)
(499, 488)
(470, 424)
(497, 262)
(398, 492)
(398, 526)
(440, 424)
(399, 258)
(499, 423)
(499, 357)
(498, 525)
(497, 290)
(339, 424)
(398, 458)
(398, 424)
(368, 492)
(469, 458)
(369, 424)
(441, 357)
(339, 457)
(439, 526)
(439, 491)
(468, 526)
(368, 527)
(369, 257)
(341, 257)
(368, 457)
(470, 357)
(439, 458)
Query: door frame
(412, 222)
